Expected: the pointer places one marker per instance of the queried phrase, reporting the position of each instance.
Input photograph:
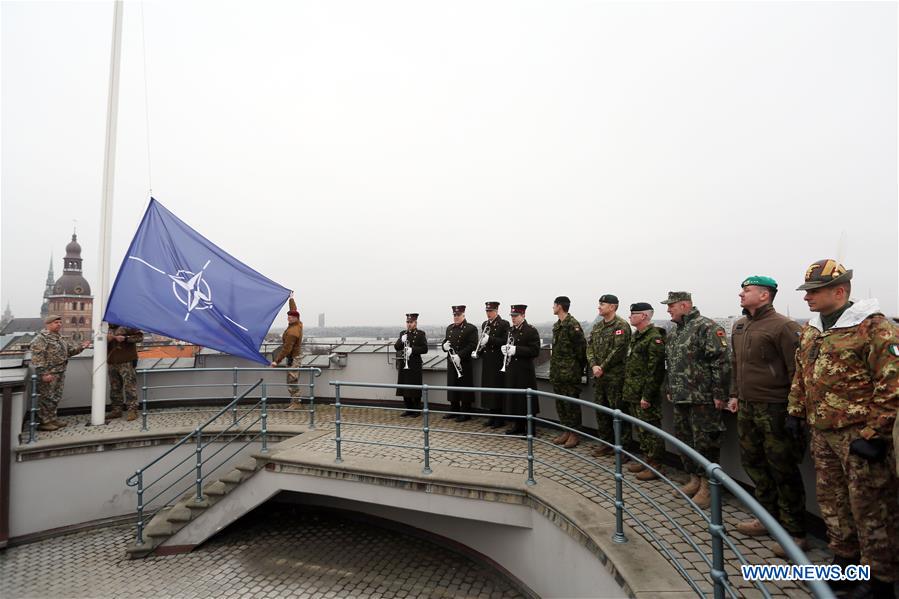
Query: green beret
(760, 281)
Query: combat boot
(47, 426)
(703, 498)
(60, 424)
(602, 451)
(572, 441)
(114, 413)
(690, 488)
(647, 474)
(753, 528)
(294, 405)
(132, 415)
(635, 467)
(560, 439)
(778, 550)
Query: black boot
(517, 430)
(872, 589)
(498, 423)
(842, 562)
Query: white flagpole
(98, 390)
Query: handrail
(717, 477)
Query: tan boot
(114, 413)
(602, 451)
(60, 424)
(635, 466)
(294, 405)
(647, 474)
(778, 550)
(132, 415)
(752, 527)
(47, 426)
(560, 440)
(572, 441)
(690, 488)
(703, 498)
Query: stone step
(248, 465)
(217, 489)
(232, 478)
(180, 513)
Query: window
(81, 320)
(82, 305)
(74, 320)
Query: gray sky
(385, 157)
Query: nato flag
(175, 282)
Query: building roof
(23, 325)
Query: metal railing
(717, 478)
(201, 442)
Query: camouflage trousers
(607, 392)
(569, 413)
(699, 426)
(122, 386)
(652, 446)
(771, 458)
(858, 501)
(48, 397)
(293, 387)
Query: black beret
(609, 299)
(562, 300)
(641, 307)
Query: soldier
(410, 346)
(644, 373)
(494, 334)
(121, 357)
(566, 366)
(291, 344)
(461, 339)
(847, 388)
(606, 355)
(698, 368)
(520, 371)
(50, 354)
(763, 361)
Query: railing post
(32, 419)
(426, 428)
(716, 528)
(143, 401)
(338, 459)
(140, 507)
(619, 536)
(530, 401)
(311, 399)
(234, 396)
(199, 441)
(264, 402)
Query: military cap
(411, 316)
(641, 307)
(759, 281)
(52, 318)
(491, 306)
(458, 310)
(293, 313)
(518, 309)
(608, 298)
(677, 296)
(823, 273)
(562, 300)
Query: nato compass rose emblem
(190, 289)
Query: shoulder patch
(619, 332)
(894, 349)
(658, 340)
(720, 333)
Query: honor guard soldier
(847, 388)
(644, 373)
(291, 344)
(50, 353)
(121, 357)
(763, 362)
(566, 367)
(461, 339)
(409, 346)
(606, 355)
(494, 334)
(698, 367)
(522, 347)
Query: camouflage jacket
(645, 367)
(50, 352)
(566, 364)
(697, 360)
(849, 374)
(608, 346)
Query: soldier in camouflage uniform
(606, 355)
(698, 367)
(50, 354)
(566, 366)
(763, 361)
(121, 357)
(644, 373)
(847, 388)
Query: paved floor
(277, 551)
(664, 520)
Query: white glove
(508, 350)
(446, 346)
(485, 339)
(408, 352)
(403, 338)
(456, 360)
(474, 354)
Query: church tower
(48, 290)
(71, 296)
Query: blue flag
(175, 282)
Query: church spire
(48, 289)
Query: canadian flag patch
(619, 332)
(720, 333)
(659, 341)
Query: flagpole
(98, 389)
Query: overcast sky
(385, 157)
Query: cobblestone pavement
(651, 507)
(276, 551)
